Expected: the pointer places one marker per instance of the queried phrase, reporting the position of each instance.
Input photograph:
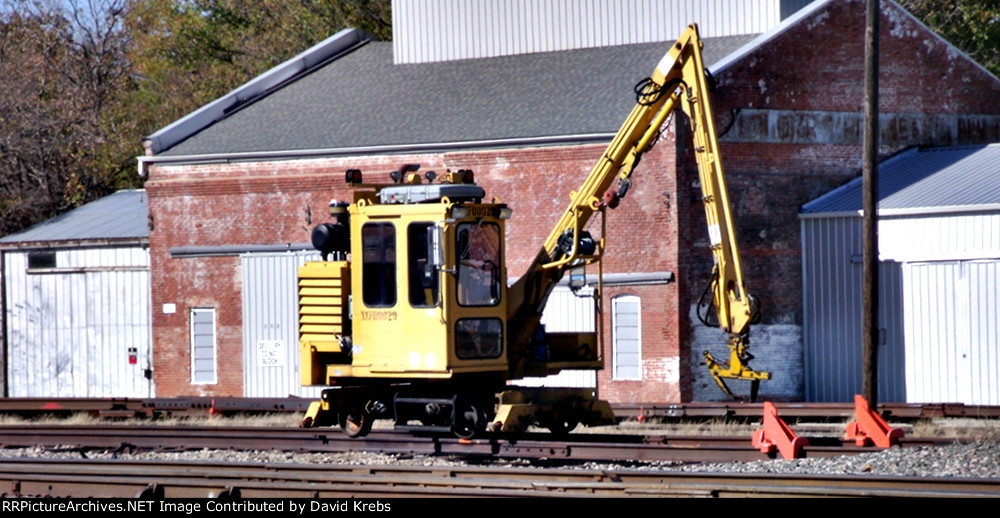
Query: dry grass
(973, 429)
(275, 420)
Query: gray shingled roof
(925, 179)
(362, 99)
(117, 217)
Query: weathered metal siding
(567, 313)
(832, 312)
(70, 329)
(440, 30)
(973, 235)
(952, 337)
(270, 325)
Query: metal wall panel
(567, 313)
(73, 330)
(832, 337)
(440, 30)
(952, 338)
(270, 324)
(941, 237)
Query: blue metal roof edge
(306, 61)
(820, 207)
(808, 207)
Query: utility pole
(869, 298)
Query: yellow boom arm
(681, 72)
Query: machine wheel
(561, 427)
(469, 419)
(355, 421)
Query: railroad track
(202, 406)
(160, 479)
(573, 448)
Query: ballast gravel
(978, 457)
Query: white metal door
(952, 345)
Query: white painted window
(203, 350)
(626, 338)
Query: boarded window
(626, 337)
(203, 354)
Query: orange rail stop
(777, 435)
(869, 426)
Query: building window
(626, 337)
(41, 260)
(203, 353)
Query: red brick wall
(280, 202)
(798, 101)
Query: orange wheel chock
(777, 435)
(869, 426)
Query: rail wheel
(561, 427)
(356, 421)
(469, 419)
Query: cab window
(479, 264)
(378, 265)
(423, 276)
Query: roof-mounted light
(459, 212)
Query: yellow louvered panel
(305, 329)
(321, 292)
(321, 301)
(321, 310)
(321, 278)
(321, 319)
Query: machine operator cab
(430, 298)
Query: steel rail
(177, 479)
(572, 448)
(203, 406)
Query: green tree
(972, 26)
(83, 81)
(62, 79)
(190, 52)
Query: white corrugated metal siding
(942, 335)
(566, 313)
(832, 339)
(71, 330)
(440, 30)
(952, 338)
(270, 325)
(973, 235)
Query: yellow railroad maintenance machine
(409, 316)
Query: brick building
(254, 171)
